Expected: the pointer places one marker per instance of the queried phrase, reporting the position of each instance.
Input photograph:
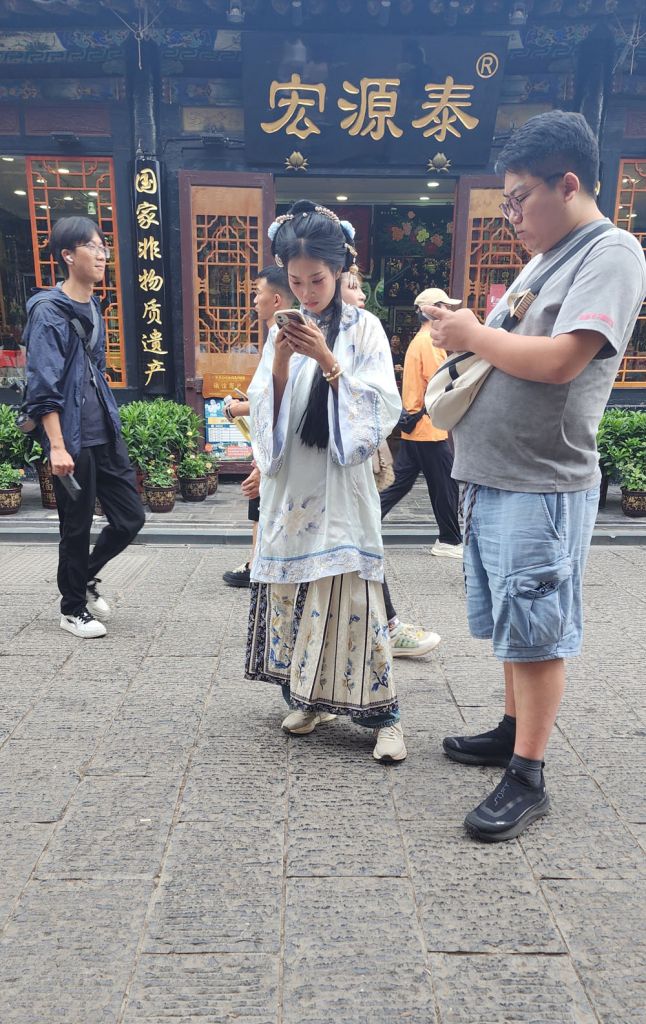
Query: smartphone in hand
(283, 317)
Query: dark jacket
(56, 365)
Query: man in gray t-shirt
(526, 450)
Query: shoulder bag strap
(528, 296)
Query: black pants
(104, 472)
(435, 461)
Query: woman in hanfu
(322, 400)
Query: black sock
(504, 735)
(529, 771)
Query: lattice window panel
(88, 184)
(630, 213)
(495, 257)
(227, 252)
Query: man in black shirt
(67, 393)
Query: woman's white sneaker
(390, 744)
(302, 722)
(84, 626)
(96, 604)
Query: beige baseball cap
(431, 297)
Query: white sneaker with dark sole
(390, 744)
(302, 722)
(84, 626)
(447, 550)
(96, 605)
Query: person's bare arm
(545, 360)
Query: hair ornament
(348, 228)
(272, 231)
(278, 261)
(330, 214)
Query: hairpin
(274, 226)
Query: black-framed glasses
(513, 206)
(101, 250)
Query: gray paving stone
(475, 898)
(583, 851)
(349, 967)
(209, 989)
(599, 920)
(220, 891)
(430, 788)
(67, 952)
(351, 829)
(36, 781)
(114, 828)
(509, 990)
(259, 795)
(20, 847)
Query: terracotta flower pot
(46, 481)
(10, 500)
(633, 503)
(212, 478)
(160, 499)
(195, 489)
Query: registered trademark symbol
(487, 65)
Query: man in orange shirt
(426, 449)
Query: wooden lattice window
(72, 186)
(494, 255)
(630, 213)
(227, 265)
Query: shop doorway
(404, 238)
(224, 219)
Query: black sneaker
(239, 577)
(487, 748)
(508, 810)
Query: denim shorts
(523, 570)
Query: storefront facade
(181, 128)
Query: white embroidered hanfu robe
(320, 510)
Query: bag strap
(512, 319)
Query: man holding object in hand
(67, 393)
(526, 450)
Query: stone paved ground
(169, 856)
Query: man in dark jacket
(67, 393)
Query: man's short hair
(276, 278)
(67, 233)
(553, 143)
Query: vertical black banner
(152, 321)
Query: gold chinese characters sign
(347, 101)
(152, 325)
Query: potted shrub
(612, 423)
(10, 489)
(13, 443)
(192, 472)
(160, 487)
(36, 457)
(631, 468)
(213, 469)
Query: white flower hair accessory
(348, 228)
(272, 230)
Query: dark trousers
(435, 461)
(103, 471)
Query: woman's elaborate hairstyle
(317, 234)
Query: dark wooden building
(181, 125)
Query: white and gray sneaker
(447, 550)
(84, 626)
(302, 722)
(390, 744)
(96, 604)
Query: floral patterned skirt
(327, 640)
